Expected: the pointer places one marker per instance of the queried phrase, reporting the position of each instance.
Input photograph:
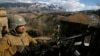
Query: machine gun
(68, 42)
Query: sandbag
(3, 22)
(3, 12)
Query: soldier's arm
(42, 39)
(32, 40)
(39, 39)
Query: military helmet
(15, 20)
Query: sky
(69, 5)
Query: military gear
(15, 20)
(66, 45)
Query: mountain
(46, 6)
(38, 5)
(7, 5)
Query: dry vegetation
(46, 23)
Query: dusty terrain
(46, 23)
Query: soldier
(16, 40)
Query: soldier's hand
(34, 41)
(55, 46)
(25, 50)
(22, 50)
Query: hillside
(44, 18)
(32, 6)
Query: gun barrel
(75, 36)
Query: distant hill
(40, 6)
(92, 11)
(7, 5)
(43, 7)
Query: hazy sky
(70, 5)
